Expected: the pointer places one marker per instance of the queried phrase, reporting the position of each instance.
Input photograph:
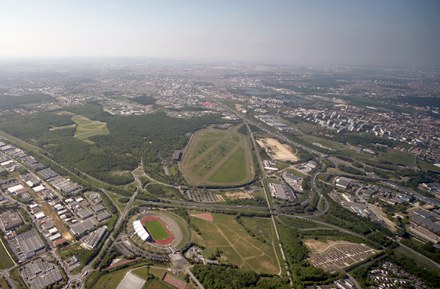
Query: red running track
(164, 242)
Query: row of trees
(227, 277)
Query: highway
(269, 206)
(270, 209)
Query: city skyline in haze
(389, 33)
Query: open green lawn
(425, 166)
(324, 142)
(158, 284)
(228, 173)
(156, 230)
(299, 223)
(261, 227)
(15, 275)
(417, 259)
(142, 272)
(4, 284)
(5, 260)
(110, 280)
(87, 128)
(218, 157)
(237, 246)
(398, 157)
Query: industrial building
(10, 220)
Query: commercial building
(10, 220)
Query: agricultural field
(236, 245)
(87, 128)
(216, 157)
(156, 230)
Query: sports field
(238, 247)
(87, 128)
(156, 230)
(218, 157)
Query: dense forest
(10, 101)
(111, 157)
(226, 277)
(144, 100)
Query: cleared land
(237, 247)
(277, 150)
(59, 224)
(239, 195)
(63, 127)
(332, 255)
(156, 230)
(218, 157)
(87, 128)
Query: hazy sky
(387, 32)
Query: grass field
(15, 275)
(110, 280)
(87, 128)
(4, 284)
(398, 158)
(325, 142)
(237, 246)
(416, 258)
(5, 260)
(158, 284)
(156, 230)
(218, 157)
(300, 223)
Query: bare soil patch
(238, 195)
(204, 216)
(277, 150)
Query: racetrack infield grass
(236, 245)
(156, 230)
(217, 157)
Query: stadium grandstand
(141, 231)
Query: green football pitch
(156, 230)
